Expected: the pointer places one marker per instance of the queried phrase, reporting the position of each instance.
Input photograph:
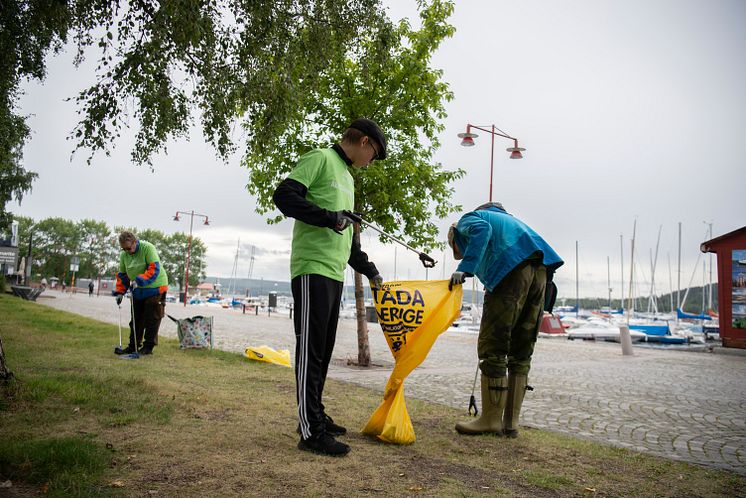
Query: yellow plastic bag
(412, 315)
(269, 355)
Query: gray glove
(133, 284)
(458, 278)
(343, 221)
(118, 298)
(376, 282)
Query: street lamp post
(467, 140)
(191, 214)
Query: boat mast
(650, 293)
(608, 278)
(577, 288)
(251, 268)
(691, 279)
(670, 281)
(709, 290)
(678, 279)
(653, 265)
(621, 253)
(632, 272)
(704, 278)
(234, 270)
(395, 278)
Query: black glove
(457, 278)
(376, 282)
(357, 218)
(343, 221)
(118, 298)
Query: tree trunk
(5, 374)
(363, 347)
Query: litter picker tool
(118, 349)
(427, 260)
(135, 355)
(472, 400)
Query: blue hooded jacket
(494, 242)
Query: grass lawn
(78, 421)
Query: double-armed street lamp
(191, 214)
(467, 140)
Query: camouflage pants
(510, 321)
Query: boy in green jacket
(319, 193)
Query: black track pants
(316, 314)
(148, 314)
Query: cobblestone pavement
(677, 404)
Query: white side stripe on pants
(302, 361)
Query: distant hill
(254, 286)
(693, 302)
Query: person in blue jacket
(512, 261)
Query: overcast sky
(628, 110)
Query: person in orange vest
(141, 273)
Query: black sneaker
(330, 427)
(127, 350)
(146, 350)
(324, 444)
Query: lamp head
(467, 139)
(176, 217)
(206, 222)
(515, 151)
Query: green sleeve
(151, 255)
(122, 267)
(308, 168)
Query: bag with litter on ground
(412, 315)
(194, 332)
(268, 355)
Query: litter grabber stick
(118, 349)
(136, 354)
(472, 400)
(427, 261)
(133, 331)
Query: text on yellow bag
(412, 314)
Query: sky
(631, 113)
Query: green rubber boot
(517, 386)
(494, 394)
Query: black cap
(371, 129)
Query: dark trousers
(316, 314)
(148, 313)
(510, 321)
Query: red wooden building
(731, 256)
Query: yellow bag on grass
(269, 355)
(412, 314)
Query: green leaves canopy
(294, 73)
(386, 77)
(56, 240)
(161, 59)
(173, 249)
